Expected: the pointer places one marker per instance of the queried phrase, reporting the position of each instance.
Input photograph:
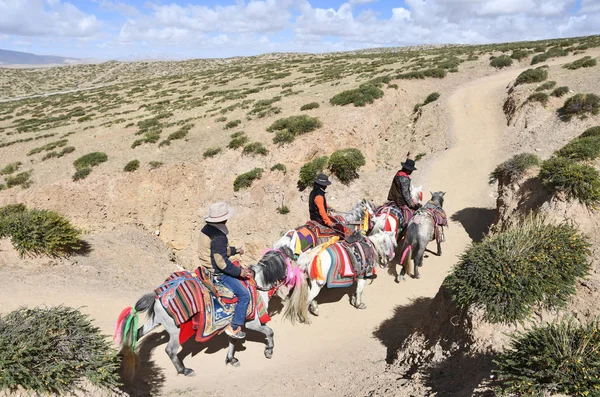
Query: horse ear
(430, 192)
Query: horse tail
(297, 307)
(126, 332)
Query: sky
(183, 29)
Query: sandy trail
(319, 359)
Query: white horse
(384, 248)
(355, 217)
(271, 270)
(379, 222)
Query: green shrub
(66, 150)
(394, 86)
(434, 96)
(232, 124)
(309, 106)
(592, 131)
(283, 209)
(417, 107)
(519, 54)
(548, 85)
(221, 119)
(437, 73)
(560, 91)
(40, 232)
(579, 105)
(279, 167)
(580, 149)
(238, 140)
(578, 181)
(180, 133)
(584, 62)
(51, 350)
(211, 152)
(532, 76)
(419, 156)
(366, 93)
(255, 148)
(48, 147)
(11, 209)
(553, 358)
(511, 273)
(21, 179)
(310, 170)
(81, 173)
(155, 164)
(293, 126)
(540, 97)
(501, 62)
(553, 52)
(90, 160)
(245, 180)
(133, 165)
(10, 168)
(344, 164)
(513, 169)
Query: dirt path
(338, 348)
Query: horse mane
(273, 265)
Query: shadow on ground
(475, 221)
(149, 377)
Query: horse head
(385, 246)
(272, 268)
(438, 198)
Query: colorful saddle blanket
(436, 215)
(401, 215)
(348, 261)
(198, 311)
(312, 234)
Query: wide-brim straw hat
(219, 212)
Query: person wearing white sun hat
(214, 252)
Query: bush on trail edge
(255, 148)
(580, 105)
(245, 180)
(238, 140)
(310, 170)
(560, 91)
(84, 164)
(309, 106)
(344, 164)
(513, 170)
(279, 167)
(35, 232)
(540, 97)
(52, 350)
(519, 54)
(584, 62)
(581, 148)
(211, 152)
(510, 273)
(553, 358)
(577, 181)
(133, 165)
(548, 85)
(288, 128)
(501, 62)
(366, 93)
(532, 76)
(592, 131)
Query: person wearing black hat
(317, 205)
(400, 190)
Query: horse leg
(255, 325)
(230, 359)
(161, 317)
(357, 298)
(418, 258)
(315, 288)
(150, 324)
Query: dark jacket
(400, 191)
(312, 206)
(220, 251)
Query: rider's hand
(240, 251)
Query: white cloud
(359, 2)
(45, 18)
(117, 6)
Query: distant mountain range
(8, 57)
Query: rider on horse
(214, 252)
(400, 190)
(318, 208)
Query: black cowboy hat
(323, 180)
(409, 165)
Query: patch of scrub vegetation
(553, 52)
(238, 140)
(529, 76)
(20, 179)
(580, 105)
(345, 163)
(513, 170)
(309, 106)
(310, 170)
(502, 61)
(155, 164)
(255, 148)
(289, 128)
(540, 97)
(577, 181)
(560, 91)
(48, 147)
(132, 166)
(84, 164)
(245, 180)
(434, 96)
(232, 124)
(279, 167)
(10, 168)
(548, 85)
(53, 154)
(211, 152)
(585, 62)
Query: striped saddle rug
(196, 310)
(402, 215)
(312, 234)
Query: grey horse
(421, 229)
(269, 271)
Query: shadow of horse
(475, 221)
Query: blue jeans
(239, 289)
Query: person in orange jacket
(317, 205)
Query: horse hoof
(189, 372)
(315, 312)
(268, 353)
(417, 276)
(362, 306)
(233, 361)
